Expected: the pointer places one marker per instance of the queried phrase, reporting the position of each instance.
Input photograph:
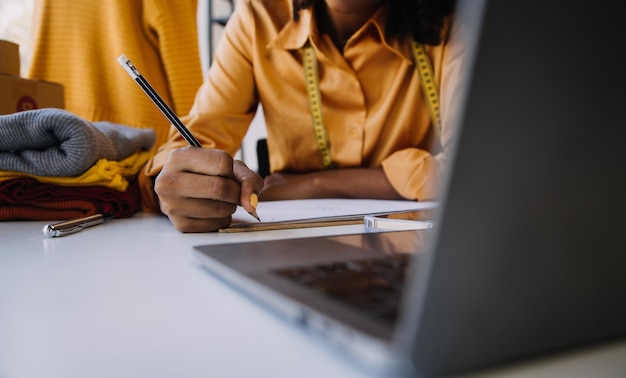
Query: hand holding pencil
(199, 189)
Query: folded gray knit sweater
(55, 142)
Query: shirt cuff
(412, 173)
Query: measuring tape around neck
(312, 81)
(315, 101)
(427, 80)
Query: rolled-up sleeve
(224, 104)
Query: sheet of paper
(318, 212)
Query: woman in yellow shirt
(377, 138)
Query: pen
(168, 112)
(74, 225)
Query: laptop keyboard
(373, 286)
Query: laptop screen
(529, 256)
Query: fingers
(197, 189)
(174, 184)
(185, 223)
(250, 185)
(207, 161)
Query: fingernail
(254, 200)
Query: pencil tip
(255, 215)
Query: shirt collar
(377, 21)
(295, 34)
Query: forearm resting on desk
(335, 183)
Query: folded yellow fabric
(107, 173)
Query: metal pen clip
(74, 225)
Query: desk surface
(128, 299)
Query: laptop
(527, 255)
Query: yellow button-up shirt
(373, 106)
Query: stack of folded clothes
(56, 166)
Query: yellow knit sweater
(77, 43)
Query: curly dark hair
(422, 20)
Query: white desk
(128, 299)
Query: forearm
(334, 183)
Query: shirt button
(354, 133)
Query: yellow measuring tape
(427, 81)
(315, 101)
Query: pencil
(165, 109)
(158, 101)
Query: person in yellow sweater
(77, 43)
(360, 128)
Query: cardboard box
(18, 94)
(9, 58)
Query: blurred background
(16, 26)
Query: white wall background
(16, 25)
